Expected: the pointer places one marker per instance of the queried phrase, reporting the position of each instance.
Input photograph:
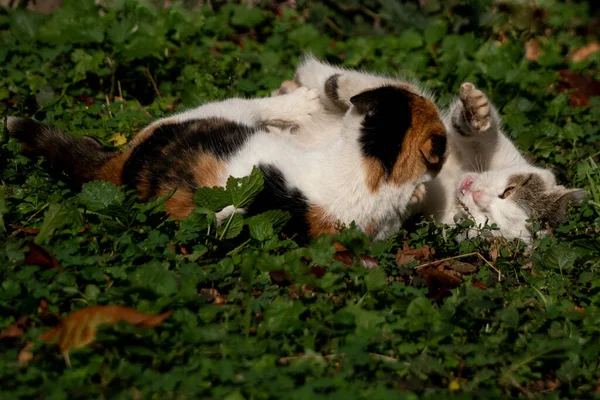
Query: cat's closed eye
(507, 192)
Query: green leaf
(376, 279)
(261, 229)
(213, 199)
(3, 208)
(435, 31)
(560, 257)
(54, 218)
(244, 190)
(232, 227)
(410, 39)
(156, 277)
(247, 17)
(99, 195)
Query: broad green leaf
(376, 279)
(3, 208)
(261, 229)
(231, 227)
(244, 190)
(560, 257)
(156, 277)
(99, 195)
(435, 32)
(213, 199)
(54, 218)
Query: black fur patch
(438, 149)
(166, 155)
(331, 91)
(80, 158)
(386, 122)
(278, 195)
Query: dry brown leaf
(584, 52)
(532, 50)
(462, 267)
(25, 355)
(439, 281)
(582, 87)
(78, 329)
(29, 231)
(407, 254)
(15, 330)
(39, 256)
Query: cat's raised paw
(476, 106)
(285, 88)
(306, 100)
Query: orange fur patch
(112, 171)
(320, 222)
(411, 163)
(180, 205)
(209, 170)
(418, 152)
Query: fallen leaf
(15, 330)
(583, 53)
(480, 285)
(78, 329)
(279, 276)
(214, 296)
(462, 267)
(532, 50)
(318, 271)
(407, 254)
(25, 355)
(37, 255)
(29, 231)
(118, 139)
(439, 282)
(582, 86)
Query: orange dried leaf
(15, 330)
(407, 254)
(584, 52)
(41, 257)
(79, 328)
(532, 50)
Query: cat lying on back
(389, 142)
(485, 178)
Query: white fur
(487, 156)
(330, 177)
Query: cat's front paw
(476, 107)
(285, 88)
(304, 102)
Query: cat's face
(509, 197)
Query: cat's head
(509, 197)
(402, 137)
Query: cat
(388, 142)
(485, 178)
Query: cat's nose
(477, 196)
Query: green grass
(319, 329)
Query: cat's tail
(83, 159)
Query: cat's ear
(558, 202)
(366, 101)
(434, 149)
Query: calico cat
(485, 178)
(389, 142)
